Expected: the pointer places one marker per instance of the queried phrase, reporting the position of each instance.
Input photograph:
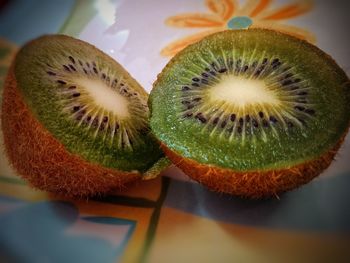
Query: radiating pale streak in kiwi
(105, 97)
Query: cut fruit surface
(251, 100)
(74, 121)
(87, 101)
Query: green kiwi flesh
(251, 100)
(88, 102)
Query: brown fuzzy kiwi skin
(252, 184)
(43, 161)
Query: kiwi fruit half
(251, 112)
(74, 121)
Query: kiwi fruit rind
(251, 112)
(74, 121)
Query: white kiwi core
(105, 97)
(243, 92)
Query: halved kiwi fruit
(74, 121)
(251, 112)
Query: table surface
(171, 218)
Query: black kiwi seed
(261, 114)
(76, 108)
(276, 63)
(273, 119)
(104, 76)
(212, 73)
(61, 82)
(287, 82)
(72, 87)
(201, 118)
(310, 111)
(76, 94)
(72, 67)
(233, 117)
(72, 59)
(66, 68)
(184, 88)
(51, 73)
(299, 108)
(88, 118)
(105, 119)
(87, 64)
(255, 123)
(259, 70)
(222, 70)
(240, 121)
(223, 124)
(247, 118)
(216, 120)
(205, 75)
(95, 70)
(264, 61)
(195, 79)
(197, 99)
(190, 106)
(185, 102)
(245, 68)
(95, 122)
(81, 63)
(195, 84)
(239, 129)
(102, 127)
(302, 93)
(214, 66)
(85, 71)
(188, 115)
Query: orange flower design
(227, 14)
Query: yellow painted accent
(221, 11)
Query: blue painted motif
(239, 22)
(37, 232)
